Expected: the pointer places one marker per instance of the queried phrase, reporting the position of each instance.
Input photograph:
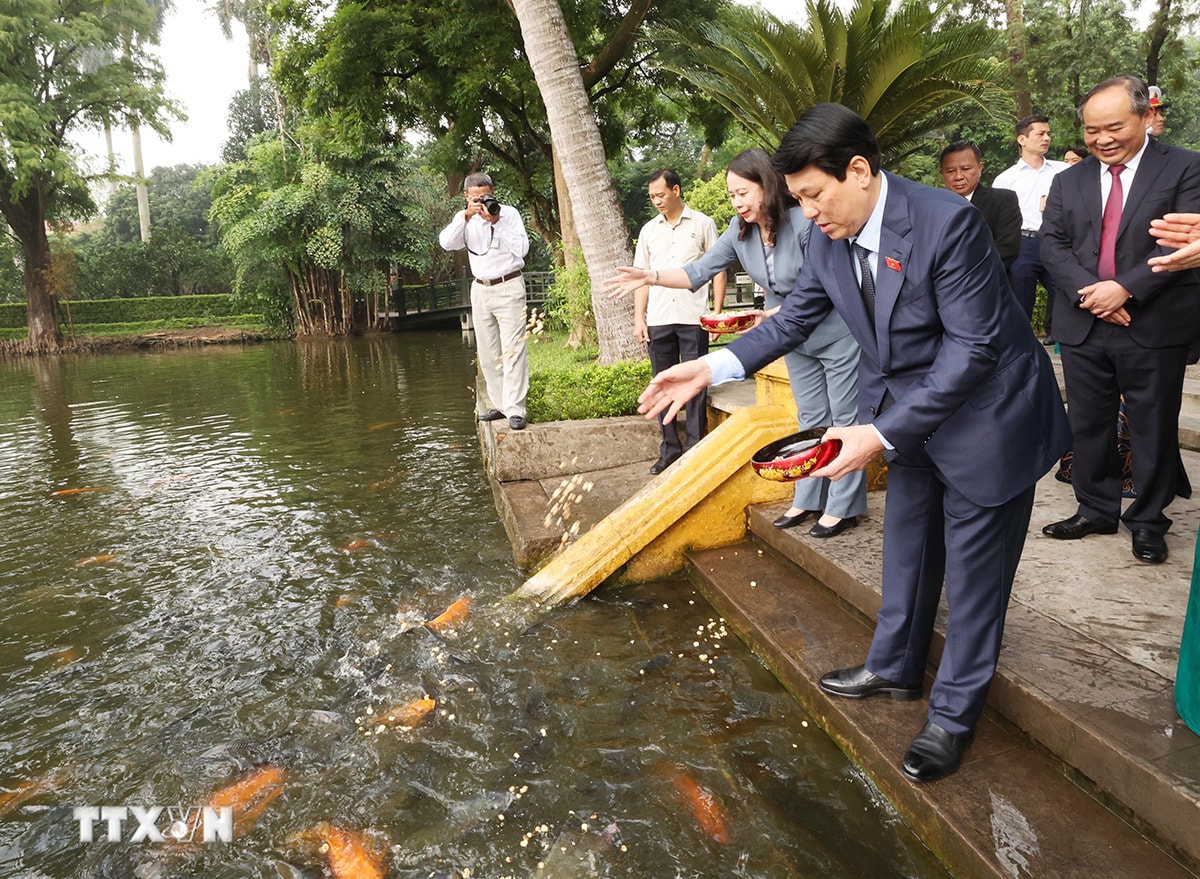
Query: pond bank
(1080, 744)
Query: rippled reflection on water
(233, 589)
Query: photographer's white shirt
(494, 249)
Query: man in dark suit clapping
(961, 165)
(1124, 330)
(952, 384)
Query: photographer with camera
(496, 242)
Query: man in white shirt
(1030, 179)
(666, 318)
(496, 242)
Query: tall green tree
(895, 67)
(47, 93)
(308, 237)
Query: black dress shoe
(491, 415)
(1078, 526)
(1149, 546)
(662, 464)
(846, 524)
(858, 683)
(1048, 342)
(516, 422)
(786, 521)
(935, 753)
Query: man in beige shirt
(666, 318)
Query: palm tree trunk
(1015, 16)
(599, 219)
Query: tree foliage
(906, 76)
(308, 238)
(48, 92)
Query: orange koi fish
(408, 715)
(450, 617)
(249, 796)
(705, 805)
(34, 787)
(381, 425)
(350, 854)
(355, 545)
(66, 492)
(96, 559)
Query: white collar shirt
(662, 245)
(1031, 185)
(1126, 176)
(493, 249)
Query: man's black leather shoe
(516, 422)
(662, 464)
(858, 683)
(491, 415)
(935, 753)
(834, 530)
(786, 521)
(1149, 546)
(1078, 526)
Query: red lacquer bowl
(795, 456)
(727, 321)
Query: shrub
(593, 391)
(569, 305)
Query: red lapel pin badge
(893, 264)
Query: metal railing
(448, 298)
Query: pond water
(212, 563)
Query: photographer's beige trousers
(500, 327)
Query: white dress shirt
(1031, 185)
(493, 249)
(663, 246)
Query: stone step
(1011, 811)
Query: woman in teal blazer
(769, 238)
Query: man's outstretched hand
(672, 388)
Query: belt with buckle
(1029, 233)
(494, 281)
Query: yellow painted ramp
(699, 502)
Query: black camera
(492, 204)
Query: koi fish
(96, 559)
(381, 425)
(34, 787)
(355, 545)
(66, 492)
(450, 617)
(405, 716)
(248, 796)
(705, 805)
(349, 853)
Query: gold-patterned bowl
(727, 321)
(795, 456)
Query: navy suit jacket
(973, 387)
(1165, 309)
(791, 241)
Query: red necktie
(1106, 269)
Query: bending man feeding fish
(954, 389)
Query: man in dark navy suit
(1123, 329)
(961, 166)
(953, 387)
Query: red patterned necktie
(1106, 269)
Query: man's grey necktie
(867, 284)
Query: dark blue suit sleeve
(802, 312)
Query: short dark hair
(1138, 91)
(756, 166)
(1078, 149)
(827, 137)
(478, 179)
(961, 146)
(668, 176)
(1023, 125)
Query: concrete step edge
(1136, 783)
(1067, 831)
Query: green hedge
(121, 311)
(587, 392)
